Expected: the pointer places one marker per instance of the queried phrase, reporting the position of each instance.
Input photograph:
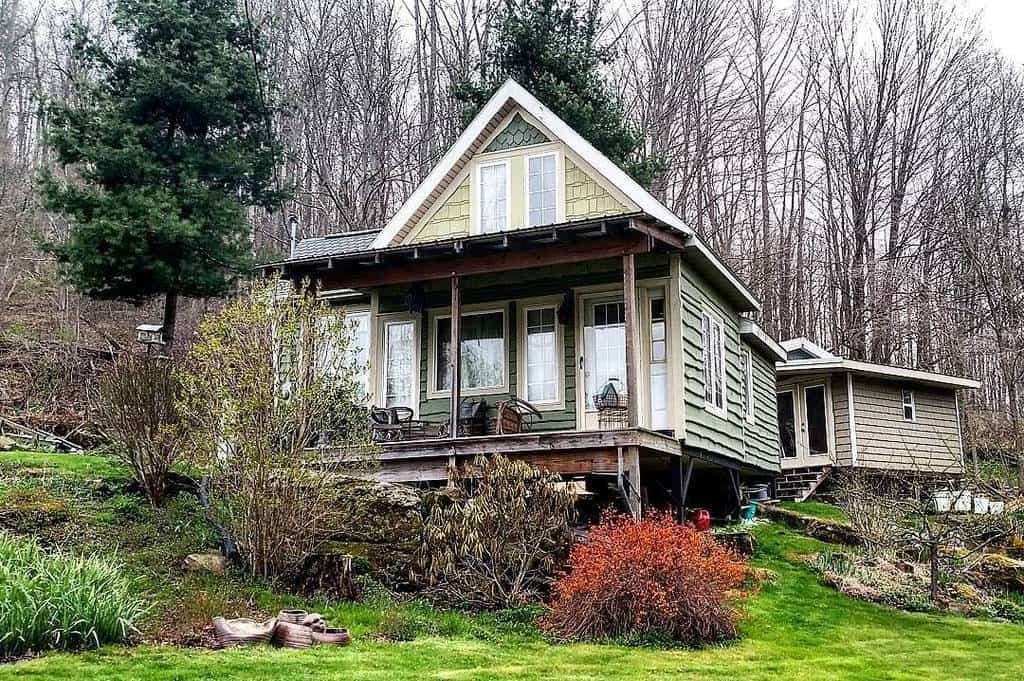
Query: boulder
(831, 531)
(1001, 570)
(206, 562)
(27, 511)
(7, 443)
(375, 512)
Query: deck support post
(455, 355)
(628, 479)
(630, 324)
(684, 487)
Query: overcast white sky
(1004, 21)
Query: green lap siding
(761, 436)
(731, 436)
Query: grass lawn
(795, 628)
(815, 509)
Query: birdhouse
(150, 334)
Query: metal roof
(334, 244)
(883, 371)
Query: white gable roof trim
(752, 332)
(808, 346)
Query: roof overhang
(426, 259)
(808, 346)
(839, 365)
(754, 335)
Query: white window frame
(348, 312)
(468, 311)
(477, 195)
(912, 404)
(383, 320)
(522, 364)
(718, 373)
(558, 186)
(748, 383)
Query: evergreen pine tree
(552, 48)
(168, 136)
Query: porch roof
(839, 365)
(345, 261)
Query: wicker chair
(394, 424)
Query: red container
(701, 519)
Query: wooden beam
(685, 488)
(629, 312)
(455, 355)
(537, 256)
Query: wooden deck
(566, 452)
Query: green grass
(795, 628)
(72, 466)
(815, 509)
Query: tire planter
(243, 631)
(292, 616)
(332, 636)
(289, 635)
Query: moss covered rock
(26, 511)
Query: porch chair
(472, 418)
(516, 416)
(393, 424)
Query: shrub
(60, 601)
(138, 404)
(495, 544)
(269, 377)
(645, 581)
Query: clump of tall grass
(61, 601)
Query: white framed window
(357, 353)
(909, 407)
(748, 385)
(541, 193)
(400, 364)
(493, 196)
(541, 360)
(483, 353)
(713, 350)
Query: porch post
(629, 313)
(455, 356)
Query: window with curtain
(482, 343)
(541, 189)
(541, 355)
(909, 408)
(399, 364)
(493, 197)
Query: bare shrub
(495, 544)
(138, 404)
(268, 378)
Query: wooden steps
(798, 484)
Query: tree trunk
(933, 561)
(170, 320)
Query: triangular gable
(804, 348)
(490, 118)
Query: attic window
(541, 189)
(493, 197)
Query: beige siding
(841, 419)
(886, 440)
(450, 220)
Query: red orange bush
(654, 577)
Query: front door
(603, 361)
(805, 425)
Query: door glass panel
(658, 365)
(817, 428)
(604, 349)
(399, 369)
(787, 425)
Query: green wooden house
(527, 265)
